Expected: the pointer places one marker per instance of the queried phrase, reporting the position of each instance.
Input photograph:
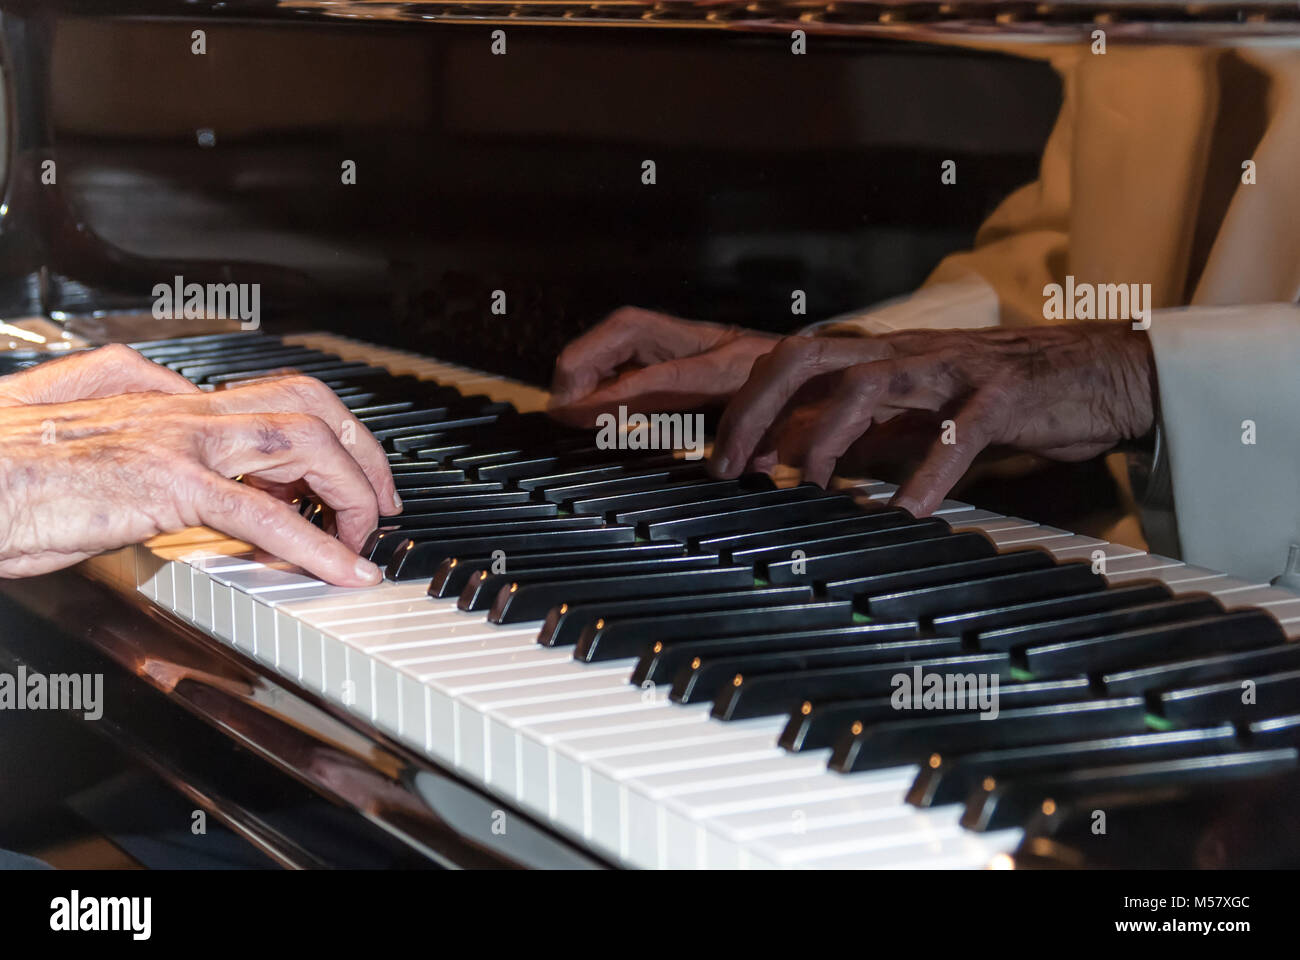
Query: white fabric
(1237, 504)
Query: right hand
(651, 362)
(81, 477)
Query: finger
(258, 518)
(947, 462)
(107, 371)
(870, 394)
(284, 448)
(300, 394)
(674, 385)
(774, 379)
(628, 334)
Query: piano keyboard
(677, 672)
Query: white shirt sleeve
(1229, 388)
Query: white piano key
(999, 524)
(964, 850)
(1017, 537)
(1065, 550)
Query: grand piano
(583, 657)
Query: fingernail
(365, 570)
(722, 466)
(397, 502)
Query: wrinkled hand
(81, 477)
(104, 372)
(651, 362)
(1063, 392)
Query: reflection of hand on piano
(652, 362)
(85, 476)
(1064, 392)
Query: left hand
(1065, 392)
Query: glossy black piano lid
(477, 173)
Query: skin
(1064, 392)
(86, 467)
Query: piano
(591, 658)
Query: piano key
(817, 726)
(841, 545)
(608, 504)
(699, 680)
(1011, 801)
(454, 573)
(1200, 670)
(382, 543)
(702, 526)
(1056, 608)
(635, 480)
(1242, 699)
(889, 744)
(950, 779)
(906, 577)
(1113, 651)
(565, 622)
(740, 501)
(660, 663)
(767, 694)
(530, 601)
(744, 547)
(629, 636)
(935, 601)
(1093, 622)
(482, 588)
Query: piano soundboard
(673, 671)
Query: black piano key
(522, 601)
(744, 546)
(1283, 731)
(740, 501)
(905, 575)
(399, 464)
(677, 493)
(1092, 623)
(948, 778)
(629, 636)
(318, 370)
(480, 591)
(700, 679)
(694, 528)
(533, 465)
(910, 555)
(406, 439)
(466, 490)
(891, 744)
(1055, 608)
(775, 693)
(1240, 700)
(1063, 580)
(152, 348)
(660, 662)
(568, 477)
(417, 559)
(477, 459)
(381, 543)
(815, 726)
(454, 573)
(199, 369)
(564, 622)
(639, 481)
(1011, 801)
(1241, 630)
(429, 478)
(412, 518)
(840, 544)
(472, 501)
(1183, 673)
(444, 453)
